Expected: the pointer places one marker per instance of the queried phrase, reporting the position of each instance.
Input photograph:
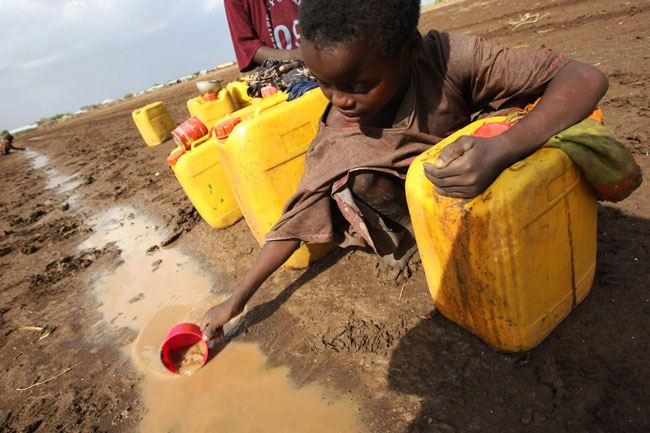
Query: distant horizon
(99, 49)
(102, 49)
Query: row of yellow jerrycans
(156, 125)
(250, 164)
(508, 265)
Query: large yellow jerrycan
(239, 93)
(210, 111)
(200, 174)
(510, 264)
(264, 158)
(154, 123)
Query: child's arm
(265, 52)
(271, 257)
(466, 167)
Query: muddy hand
(466, 167)
(214, 319)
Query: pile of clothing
(291, 76)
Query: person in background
(6, 145)
(263, 29)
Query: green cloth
(606, 162)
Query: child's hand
(289, 66)
(466, 167)
(214, 319)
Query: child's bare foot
(405, 250)
(392, 265)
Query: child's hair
(8, 137)
(325, 23)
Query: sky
(57, 56)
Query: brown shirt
(455, 78)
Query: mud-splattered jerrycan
(262, 149)
(154, 123)
(201, 175)
(510, 264)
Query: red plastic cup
(188, 132)
(180, 336)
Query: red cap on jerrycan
(268, 90)
(180, 337)
(491, 129)
(224, 129)
(173, 157)
(207, 97)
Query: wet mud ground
(344, 323)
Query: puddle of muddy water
(234, 391)
(38, 159)
(57, 181)
(62, 183)
(144, 283)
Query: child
(6, 145)
(393, 94)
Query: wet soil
(368, 335)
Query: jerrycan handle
(199, 141)
(274, 100)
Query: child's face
(356, 78)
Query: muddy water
(188, 359)
(56, 181)
(145, 282)
(39, 160)
(234, 391)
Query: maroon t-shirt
(251, 27)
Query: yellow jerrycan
(211, 110)
(154, 123)
(239, 93)
(263, 157)
(201, 175)
(510, 264)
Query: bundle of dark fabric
(270, 73)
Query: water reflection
(59, 182)
(149, 277)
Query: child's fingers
(458, 192)
(205, 327)
(454, 151)
(208, 333)
(289, 66)
(434, 173)
(452, 181)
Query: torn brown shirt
(455, 78)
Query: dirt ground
(343, 322)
